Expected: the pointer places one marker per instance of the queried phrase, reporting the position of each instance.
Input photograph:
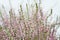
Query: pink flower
(41, 28)
(47, 29)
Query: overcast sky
(46, 5)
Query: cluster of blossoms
(32, 28)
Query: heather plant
(25, 27)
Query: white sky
(46, 4)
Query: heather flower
(35, 27)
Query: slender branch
(55, 24)
(49, 15)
